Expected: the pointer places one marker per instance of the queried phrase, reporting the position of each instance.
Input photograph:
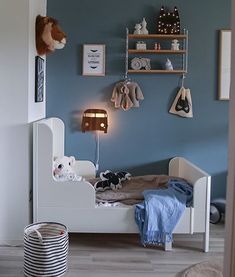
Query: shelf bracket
(126, 62)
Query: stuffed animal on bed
(63, 169)
(49, 35)
(110, 180)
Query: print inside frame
(93, 60)
(224, 64)
(39, 79)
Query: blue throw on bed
(161, 210)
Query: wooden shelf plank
(159, 36)
(157, 71)
(135, 51)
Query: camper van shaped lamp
(95, 120)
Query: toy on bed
(63, 169)
(110, 180)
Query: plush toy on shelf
(63, 169)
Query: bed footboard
(201, 182)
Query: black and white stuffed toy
(110, 180)
(123, 175)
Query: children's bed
(73, 203)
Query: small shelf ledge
(157, 36)
(135, 51)
(156, 71)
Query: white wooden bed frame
(73, 203)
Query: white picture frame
(224, 64)
(93, 60)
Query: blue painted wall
(141, 140)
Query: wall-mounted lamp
(95, 120)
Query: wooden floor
(92, 255)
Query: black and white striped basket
(45, 249)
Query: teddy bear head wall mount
(49, 35)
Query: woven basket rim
(46, 223)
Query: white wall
(35, 110)
(17, 108)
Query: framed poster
(224, 64)
(39, 79)
(93, 60)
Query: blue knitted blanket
(161, 210)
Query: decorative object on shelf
(95, 120)
(141, 28)
(137, 29)
(140, 63)
(49, 35)
(168, 65)
(39, 79)
(175, 46)
(141, 45)
(157, 46)
(126, 95)
(168, 22)
(144, 30)
(224, 64)
(182, 104)
(93, 60)
(180, 57)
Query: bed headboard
(48, 143)
(54, 128)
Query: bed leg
(206, 241)
(168, 246)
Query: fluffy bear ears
(72, 160)
(65, 160)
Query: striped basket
(45, 249)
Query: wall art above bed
(93, 60)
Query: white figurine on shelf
(175, 45)
(144, 30)
(137, 29)
(168, 65)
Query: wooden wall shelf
(158, 71)
(157, 36)
(181, 61)
(134, 51)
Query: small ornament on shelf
(141, 28)
(137, 29)
(157, 46)
(141, 45)
(168, 65)
(140, 63)
(175, 45)
(144, 30)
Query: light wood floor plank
(105, 255)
